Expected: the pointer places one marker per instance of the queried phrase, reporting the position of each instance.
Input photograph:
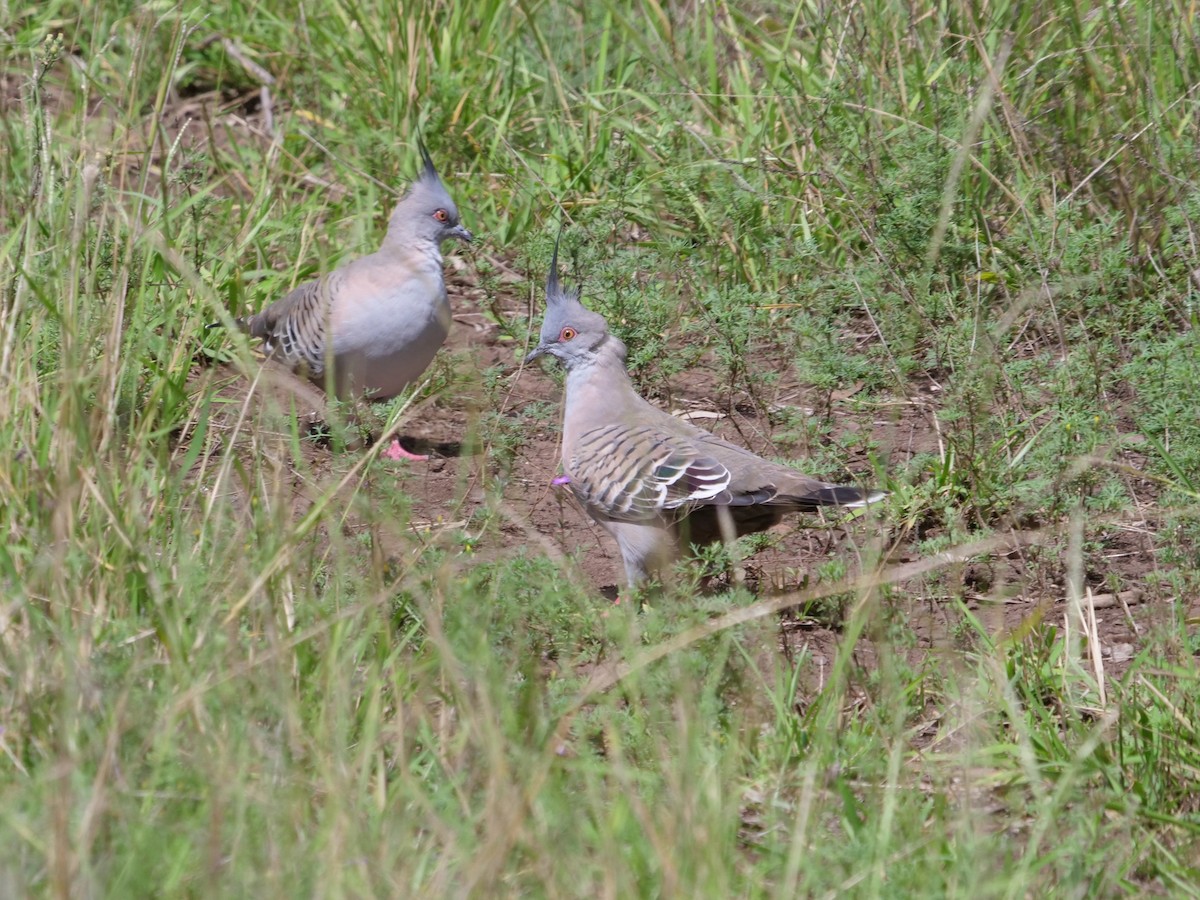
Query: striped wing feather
(757, 480)
(293, 327)
(637, 473)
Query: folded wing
(637, 473)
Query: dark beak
(462, 234)
(535, 353)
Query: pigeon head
(426, 213)
(571, 332)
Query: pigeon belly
(389, 342)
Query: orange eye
(567, 334)
(441, 215)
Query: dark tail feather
(841, 495)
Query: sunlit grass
(232, 664)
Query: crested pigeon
(378, 319)
(654, 482)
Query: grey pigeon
(654, 482)
(378, 319)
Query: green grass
(974, 224)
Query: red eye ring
(441, 215)
(567, 334)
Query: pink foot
(397, 452)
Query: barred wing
(637, 473)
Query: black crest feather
(430, 171)
(552, 289)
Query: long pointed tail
(842, 495)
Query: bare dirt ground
(1009, 592)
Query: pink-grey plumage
(379, 319)
(654, 482)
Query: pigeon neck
(604, 368)
(419, 250)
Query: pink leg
(397, 452)
(615, 604)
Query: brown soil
(1008, 592)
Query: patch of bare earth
(1009, 592)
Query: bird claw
(395, 451)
